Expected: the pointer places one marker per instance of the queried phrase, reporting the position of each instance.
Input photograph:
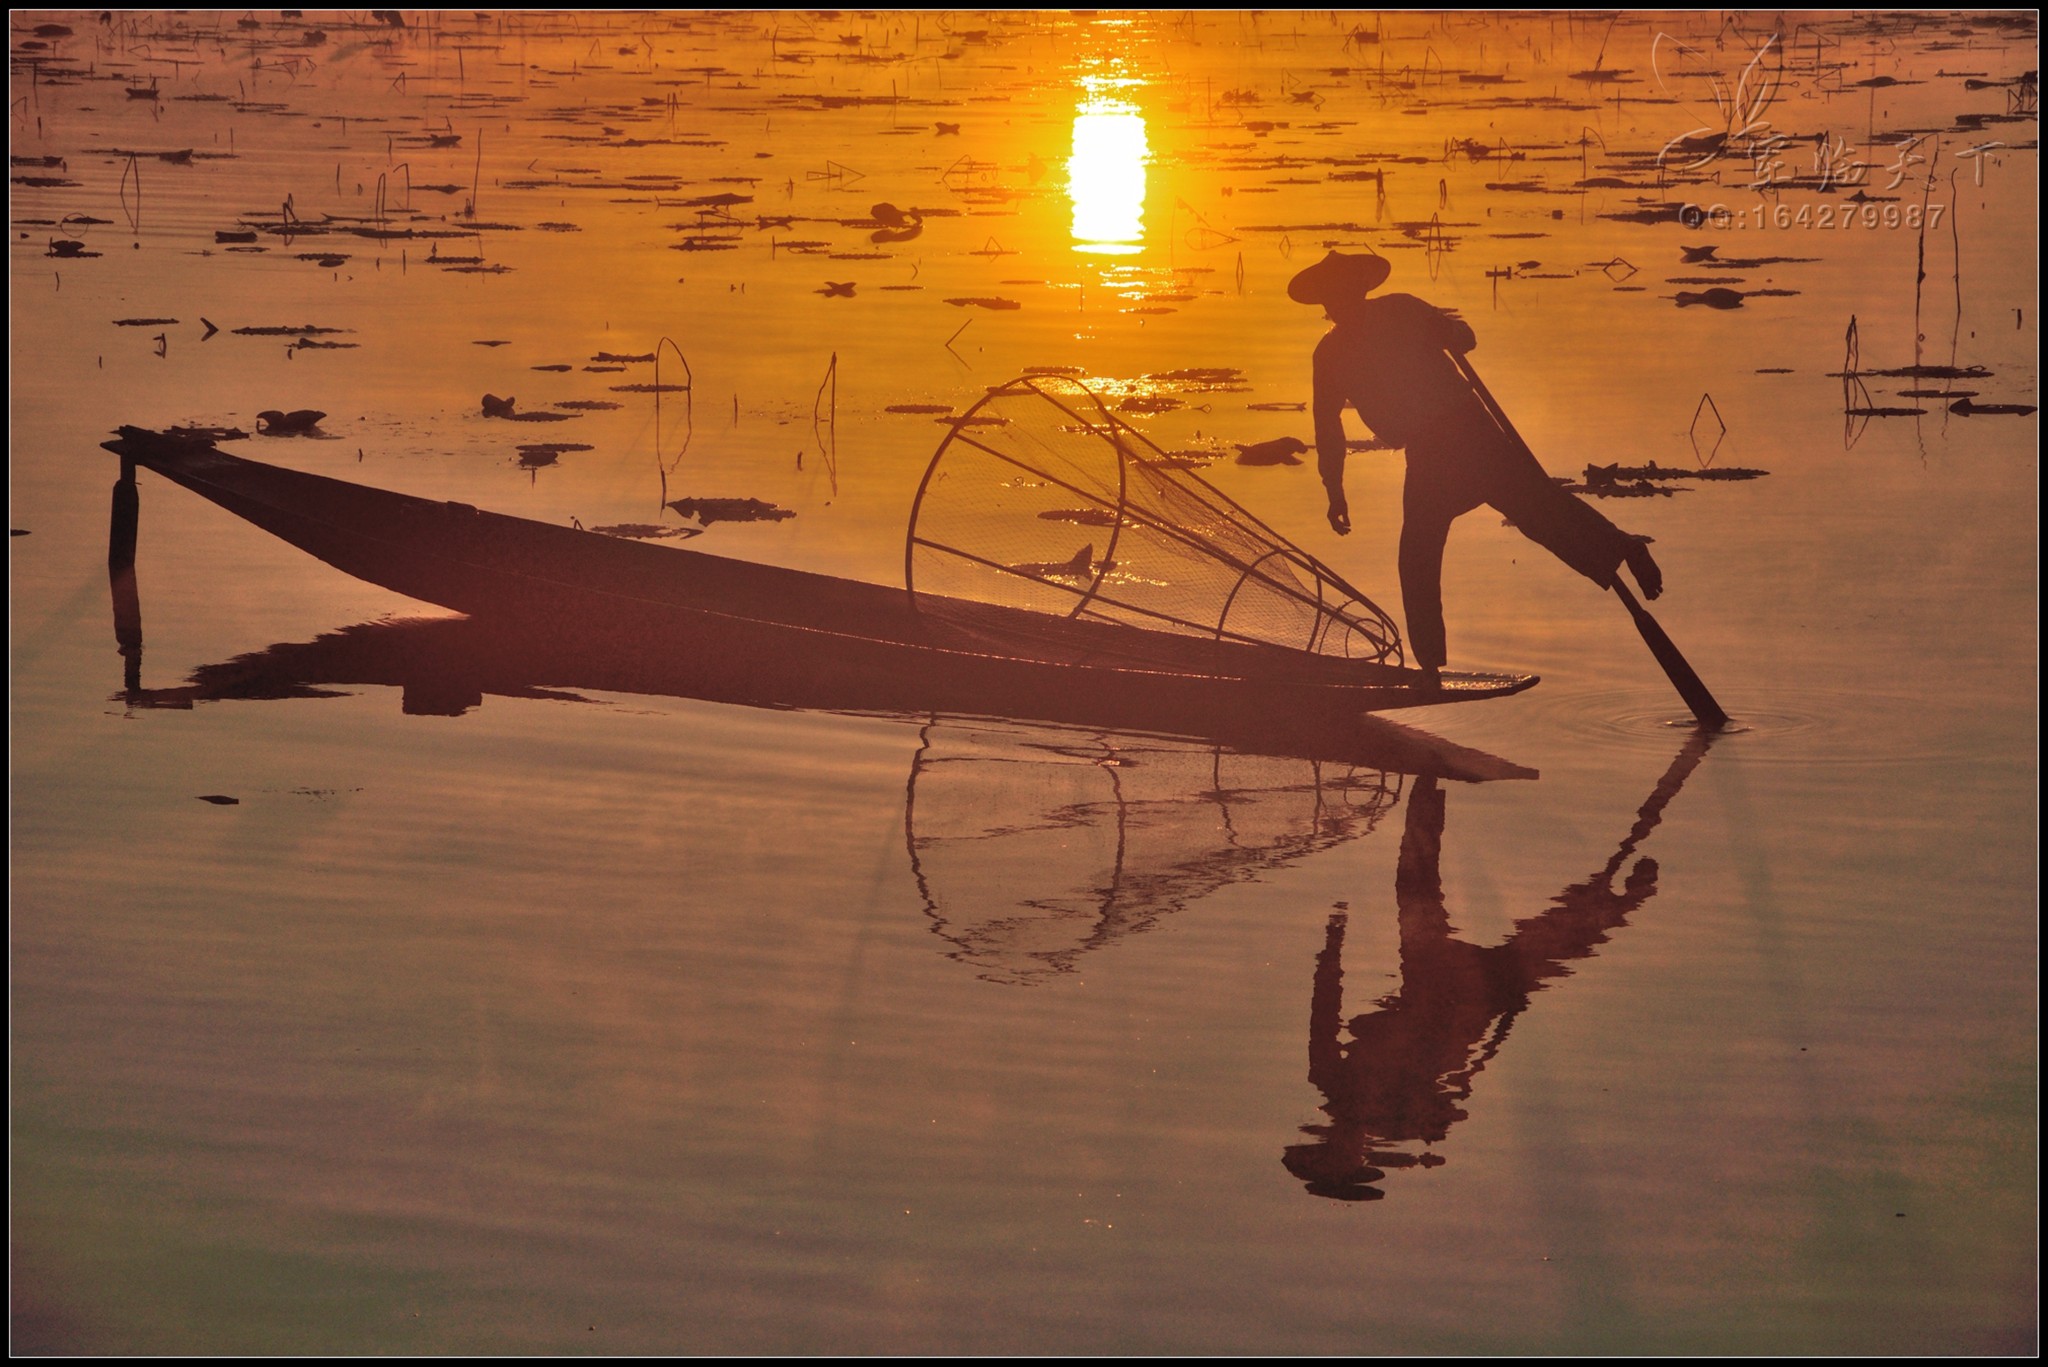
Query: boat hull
(814, 631)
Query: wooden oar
(1681, 674)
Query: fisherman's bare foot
(1643, 567)
(1340, 517)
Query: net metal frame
(1341, 619)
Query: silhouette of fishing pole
(1681, 674)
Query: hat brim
(1338, 277)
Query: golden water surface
(514, 1006)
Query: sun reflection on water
(1106, 172)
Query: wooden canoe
(764, 619)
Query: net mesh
(1041, 498)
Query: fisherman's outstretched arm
(1329, 416)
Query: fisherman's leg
(1425, 526)
(1576, 533)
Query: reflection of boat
(446, 666)
(1034, 846)
(1396, 1086)
(1030, 843)
(813, 627)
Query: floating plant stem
(132, 170)
(662, 467)
(828, 442)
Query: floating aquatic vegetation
(209, 433)
(1085, 517)
(1279, 451)
(710, 510)
(297, 423)
(647, 531)
(305, 330)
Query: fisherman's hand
(1340, 517)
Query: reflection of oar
(1652, 811)
(1674, 664)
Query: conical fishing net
(1043, 499)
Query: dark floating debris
(495, 407)
(919, 408)
(1601, 476)
(211, 433)
(1201, 379)
(646, 531)
(1922, 372)
(551, 367)
(1618, 489)
(217, 799)
(1720, 297)
(297, 423)
(143, 322)
(1968, 407)
(710, 510)
(306, 331)
(1085, 517)
(590, 404)
(1279, 451)
(1080, 566)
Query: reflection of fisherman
(1386, 358)
(1410, 1062)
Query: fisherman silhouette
(1411, 1061)
(1391, 358)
